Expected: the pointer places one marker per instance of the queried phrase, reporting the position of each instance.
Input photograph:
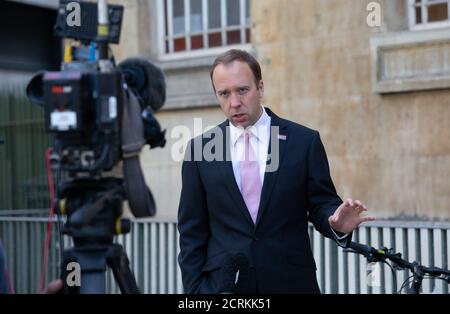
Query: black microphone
(147, 80)
(235, 274)
(148, 84)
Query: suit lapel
(278, 138)
(270, 178)
(226, 169)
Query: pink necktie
(250, 181)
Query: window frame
(203, 52)
(426, 25)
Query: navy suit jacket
(214, 221)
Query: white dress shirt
(259, 141)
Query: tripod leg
(120, 265)
(92, 262)
(93, 283)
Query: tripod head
(93, 209)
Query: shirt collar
(260, 125)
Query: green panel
(23, 179)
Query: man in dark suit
(250, 186)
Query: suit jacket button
(255, 238)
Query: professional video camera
(100, 116)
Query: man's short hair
(238, 55)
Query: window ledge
(195, 59)
(410, 61)
(187, 78)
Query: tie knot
(247, 137)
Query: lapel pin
(282, 137)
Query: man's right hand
(54, 287)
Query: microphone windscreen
(147, 80)
(229, 270)
(235, 273)
(243, 283)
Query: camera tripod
(93, 209)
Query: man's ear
(261, 88)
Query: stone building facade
(378, 94)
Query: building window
(192, 25)
(425, 14)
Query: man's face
(238, 94)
